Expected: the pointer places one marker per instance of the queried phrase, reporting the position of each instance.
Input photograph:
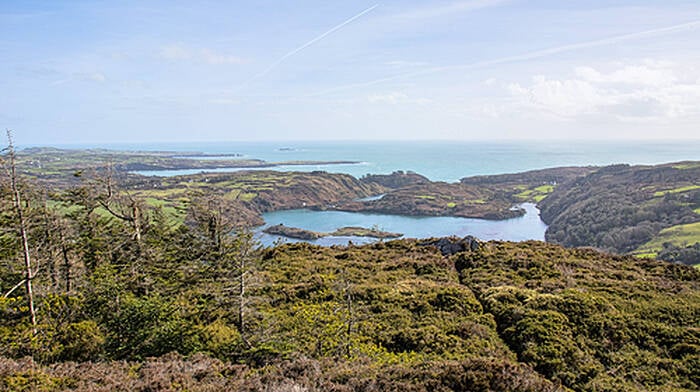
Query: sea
(438, 160)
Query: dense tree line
(619, 208)
(681, 254)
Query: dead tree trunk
(128, 209)
(17, 201)
(66, 262)
(243, 269)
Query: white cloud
(632, 74)
(395, 98)
(649, 91)
(180, 53)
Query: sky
(151, 71)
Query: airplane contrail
(520, 57)
(309, 43)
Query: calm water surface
(439, 160)
(523, 228)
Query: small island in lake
(308, 235)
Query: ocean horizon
(437, 160)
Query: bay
(438, 160)
(527, 227)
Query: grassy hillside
(627, 209)
(682, 235)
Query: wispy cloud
(453, 8)
(96, 77)
(402, 64)
(395, 98)
(309, 43)
(181, 53)
(92, 76)
(523, 56)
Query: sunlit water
(526, 227)
(437, 160)
(334, 168)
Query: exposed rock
(308, 235)
(451, 245)
(293, 232)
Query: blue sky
(145, 71)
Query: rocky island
(348, 231)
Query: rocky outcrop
(395, 180)
(452, 245)
(348, 231)
(293, 232)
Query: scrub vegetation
(127, 296)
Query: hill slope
(620, 208)
(394, 316)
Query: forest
(102, 291)
(643, 210)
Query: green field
(681, 235)
(677, 190)
(686, 166)
(536, 194)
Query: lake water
(439, 161)
(526, 227)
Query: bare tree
(123, 206)
(214, 216)
(11, 170)
(233, 254)
(244, 257)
